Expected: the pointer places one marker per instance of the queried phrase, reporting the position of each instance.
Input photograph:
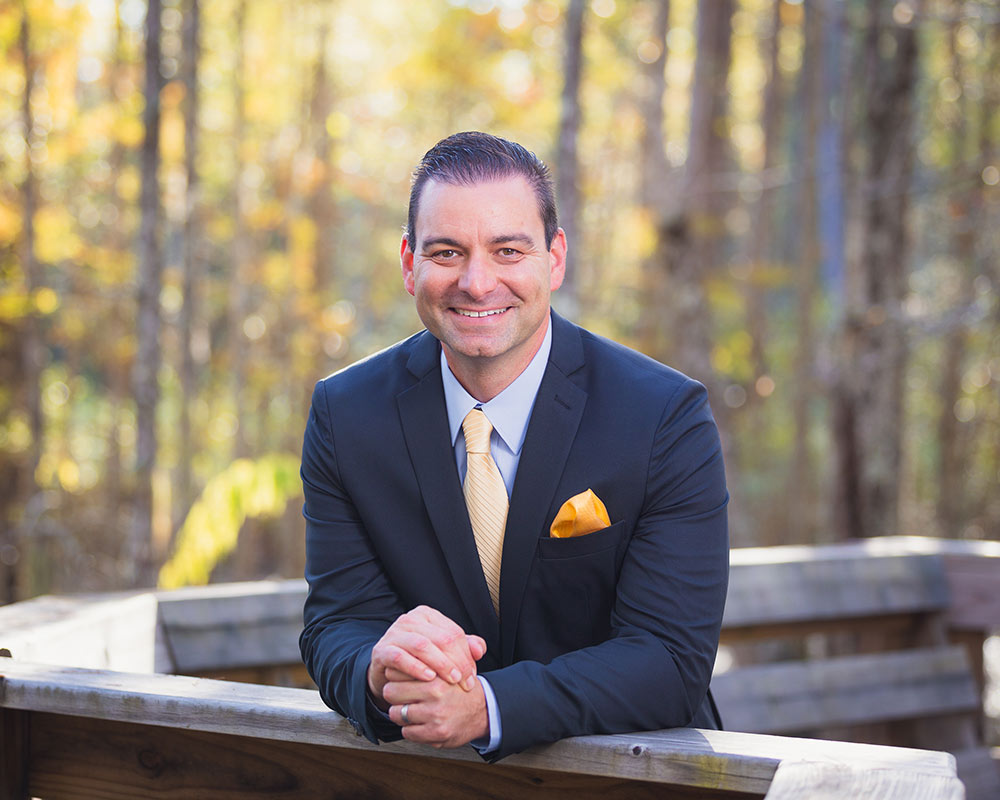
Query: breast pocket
(575, 546)
(571, 590)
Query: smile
(490, 313)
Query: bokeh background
(201, 205)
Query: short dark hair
(474, 157)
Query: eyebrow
(512, 237)
(501, 239)
(436, 240)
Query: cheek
(426, 289)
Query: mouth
(490, 312)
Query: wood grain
(14, 761)
(847, 690)
(836, 585)
(716, 761)
(76, 758)
(825, 781)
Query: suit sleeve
(350, 603)
(654, 670)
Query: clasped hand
(426, 662)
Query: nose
(478, 276)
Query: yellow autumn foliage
(246, 488)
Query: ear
(557, 260)
(406, 264)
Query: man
(448, 618)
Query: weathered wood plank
(719, 760)
(793, 697)
(980, 773)
(117, 631)
(775, 585)
(825, 781)
(235, 625)
(294, 675)
(972, 569)
(14, 760)
(76, 758)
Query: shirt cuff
(483, 745)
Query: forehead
(506, 205)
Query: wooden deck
(87, 711)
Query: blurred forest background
(201, 205)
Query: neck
(483, 384)
(485, 378)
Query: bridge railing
(88, 708)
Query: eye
(509, 252)
(444, 255)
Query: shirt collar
(509, 411)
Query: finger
(431, 734)
(392, 674)
(435, 650)
(436, 618)
(445, 635)
(397, 693)
(444, 632)
(412, 714)
(477, 646)
(387, 655)
(439, 652)
(420, 733)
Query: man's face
(480, 271)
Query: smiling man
(516, 530)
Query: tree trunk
(988, 251)
(32, 348)
(654, 184)
(147, 359)
(120, 325)
(874, 346)
(184, 491)
(692, 235)
(567, 158)
(831, 165)
(801, 502)
(764, 209)
(831, 184)
(322, 211)
(964, 203)
(240, 273)
(321, 207)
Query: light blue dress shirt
(509, 413)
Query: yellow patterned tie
(486, 498)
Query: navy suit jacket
(610, 632)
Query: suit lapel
(425, 428)
(555, 419)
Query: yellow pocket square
(582, 514)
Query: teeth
(480, 313)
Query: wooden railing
(77, 733)
(86, 711)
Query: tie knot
(477, 429)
